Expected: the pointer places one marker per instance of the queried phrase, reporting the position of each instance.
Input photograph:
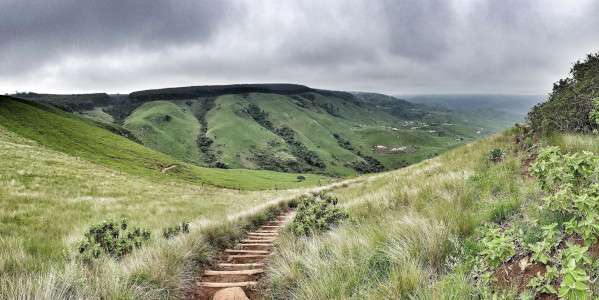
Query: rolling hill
(282, 127)
(81, 137)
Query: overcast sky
(395, 46)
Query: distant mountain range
(516, 105)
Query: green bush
(496, 155)
(369, 164)
(112, 238)
(570, 104)
(498, 247)
(316, 213)
(172, 231)
(569, 182)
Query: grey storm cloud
(393, 46)
(36, 32)
(417, 29)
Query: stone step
(236, 272)
(271, 226)
(248, 265)
(246, 251)
(266, 231)
(262, 234)
(257, 240)
(227, 284)
(235, 256)
(255, 244)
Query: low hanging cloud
(392, 46)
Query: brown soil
(257, 243)
(527, 163)
(517, 272)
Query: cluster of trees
(260, 116)
(203, 141)
(570, 104)
(368, 164)
(296, 148)
(343, 143)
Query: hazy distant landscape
(517, 106)
(299, 150)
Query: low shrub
(316, 213)
(496, 155)
(115, 239)
(175, 230)
(567, 212)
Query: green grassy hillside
(458, 226)
(318, 122)
(66, 133)
(235, 133)
(407, 225)
(513, 216)
(49, 198)
(284, 127)
(166, 127)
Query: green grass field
(62, 132)
(406, 224)
(61, 173)
(49, 197)
(410, 229)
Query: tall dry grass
(406, 233)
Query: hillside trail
(236, 273)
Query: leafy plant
(594, 114)
(175, 230)
(496, 155)
(316, 213)
(541, 250)
(498, 247)
(116, 239)
(544, 283)
(575, 283)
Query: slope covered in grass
(316, 121)
(510, 217)
(328, 132)
(49, 199)
(71, 135)
(407, 231)
(235, 133)
(166, 127)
